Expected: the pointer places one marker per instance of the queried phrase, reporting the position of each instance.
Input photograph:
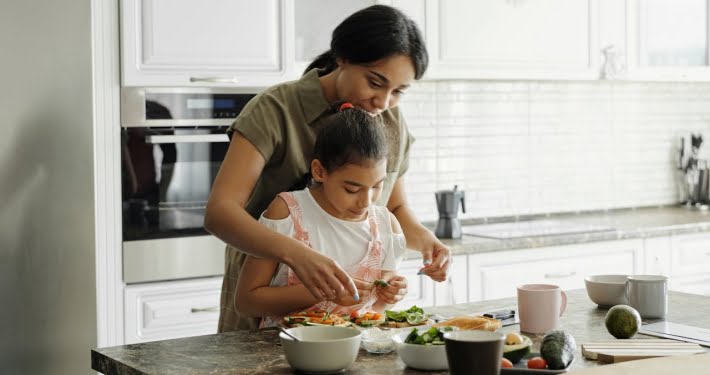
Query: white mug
(540, 307)
(648, 294)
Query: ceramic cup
(648, 294)
(540, 307)
(474, 352)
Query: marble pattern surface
(260, 352)
(628, 224)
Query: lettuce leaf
(401, 316)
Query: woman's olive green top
(282, 122)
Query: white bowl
(606, 290)
(422, 357)
(321, 349)
(377, 341)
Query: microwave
(173, 141)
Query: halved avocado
(514, 353)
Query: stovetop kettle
(447, 202)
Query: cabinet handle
(215, 79)
(560, 275)
(195, 310)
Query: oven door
(167, 175)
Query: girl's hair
(349, 136)
(372, 34)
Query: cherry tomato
(537, 363)
(505, 363)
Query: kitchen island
(245, 352)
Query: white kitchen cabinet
(420, 288)
(205, 43)
(497, 274)
(314, 22)
(455, 289)
(492, 39)
(167, 310)
(668, 40)
(690, 263)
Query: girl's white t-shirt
(344, 241)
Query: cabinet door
(690, 255)
(455, 289)
(314, 22)
(662, 48)
(498, 274)
(160, 311)
(420, 289)
(208, 42)
(555, 39)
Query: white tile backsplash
(521, 148)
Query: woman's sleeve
(260, 122)
(406, 139)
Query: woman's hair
(349, 136)
(372, 34)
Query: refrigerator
(47, 234)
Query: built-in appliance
(173, 143)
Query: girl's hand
(321, 275)
(363, 288)
(437, 258)
(394, 292)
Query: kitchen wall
(521, 147)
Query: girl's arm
(437, 257)
(227, 219)
(256, 298)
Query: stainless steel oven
(173, 143)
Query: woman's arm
(227, 219)
(437, 257)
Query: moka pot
(447, 202)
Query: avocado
(557, 348)
(514, 353)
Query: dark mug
(474, 352)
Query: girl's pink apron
(368, 269)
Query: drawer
(690, 254)
(497, 275)
(167, 310)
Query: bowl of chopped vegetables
(423, 348)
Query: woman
(376, 53)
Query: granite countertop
(246, 352)
(627, 224)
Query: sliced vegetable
(432, 336)
(382, 283)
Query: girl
(336, 215)
(375, 55)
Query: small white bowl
(321, 348)
(422, 357)
(606, 290)
(377, 341)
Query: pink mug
(540, 307)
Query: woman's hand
(436, 256)
(394, 291)
(320, 274)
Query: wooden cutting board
(615, 351)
